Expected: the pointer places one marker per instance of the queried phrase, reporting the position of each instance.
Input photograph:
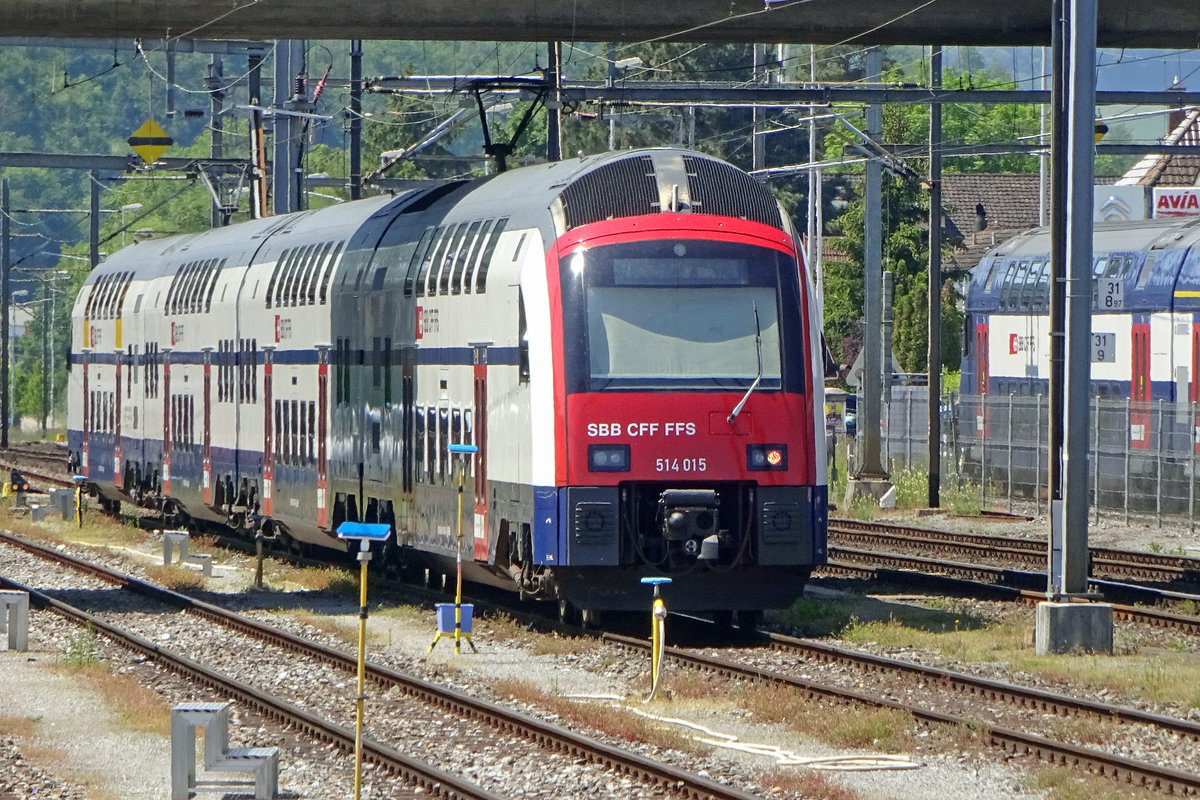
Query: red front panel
(679, 437)
(687, 438)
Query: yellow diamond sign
(150, 141)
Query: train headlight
(608, 458)
(766, 457)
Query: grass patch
(807, 784)
(341, 629)
(175, 576)
(1158, 677)
(335, 580)
(615, 722)
(1161, 677)
(136, 707)
(81, 651)
(1064, 783)
(694, 684)
(17, 727)
(912, 488)
(830, 616)
(506, 629)
(883, 729)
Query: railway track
(1029, 553)
(1123, 769)
(663, 777)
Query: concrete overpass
(1121, 23)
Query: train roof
(1109, 237)
(558, 195)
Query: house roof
(1170, 170)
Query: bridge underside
(1122, 23)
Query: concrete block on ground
(1073, 628)
(14, 618)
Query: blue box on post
(445, 617)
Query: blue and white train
(631, 340)
(1145, 318)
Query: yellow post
(658, 643)
(364, 533)
(362, 668)
(79, 479)
(462, 450)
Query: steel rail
(1168, 781)
(938, 581)
(1113, 561)
(433, 780)
(543, 733)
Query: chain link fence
(1142, 456)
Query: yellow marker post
(461, 631)
(364, 533)
(79, 481)
(658, 633)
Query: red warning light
(774, 457)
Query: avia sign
(1177, 202)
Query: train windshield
(679, 314)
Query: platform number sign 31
(1104, 347)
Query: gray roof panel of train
(1110, 237)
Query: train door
(480, 438)
(981, 376)
(87, 416)
(268, 495)
(206, 429)
(322, 436)
(1140, 384)
(117, 471)
(166, 426)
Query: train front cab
(685, 360)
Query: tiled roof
(1009, 200)
(1168, 170)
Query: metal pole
(757, 142)
(1158, 468)
(94, 218)
(554, 106)
(1058, 256)
(1192, 482)
(216, 122)
(934, 357)
(1009, 437)
(45, 363)
(364, 556)
(1037, 470)
(5, 300)
(1125, 493)
(1080, 200)
(1096, 462)
(869, 463)
(983, 438)
(356, 89)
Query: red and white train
(631, 340)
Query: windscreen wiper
(733, 415)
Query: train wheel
(567, 613)
(591, 619)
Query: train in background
(1145, 363)
(631, 341)
(1145, 314)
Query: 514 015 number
(680, 464)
